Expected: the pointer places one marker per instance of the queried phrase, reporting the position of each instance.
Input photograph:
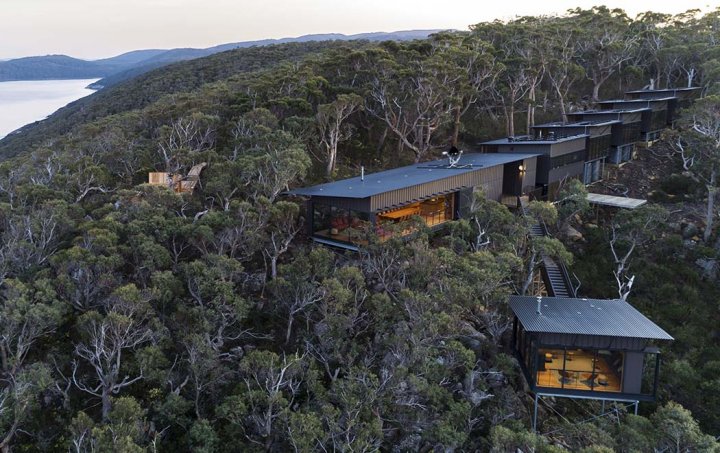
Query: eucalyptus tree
(558, 51)
(630, 231)
(332, 127)
(606, 44)
(521, 71)
(700, 146)
(127, 326)
(479, 67)
(412, 95)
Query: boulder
(709, 267)
(571, 233)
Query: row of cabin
(571, 347)
(342, 213)
(582, 146)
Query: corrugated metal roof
(610, 318)
(604, 112)
(636, 101)
(577, 124)
(663, 90)
(412, 175)
(525, 140)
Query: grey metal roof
(664, 90)
(411, 175)
(576, 124)
(637, 101)
(609, 113)
(526, 140)
(610, 318)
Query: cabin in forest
(660, 116)
(341, 213)
(559, 157)
(597, 146)
(625, 129)
(586, 348)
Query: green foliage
(133, 317)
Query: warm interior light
(521, 167)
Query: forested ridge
(133, 318)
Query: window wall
(342, 225)
(580, 369)
(434, 211)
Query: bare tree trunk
(273, 267)
(106, 404)
(456, 126)
(596, 91)
(710, 214)
(381, 143)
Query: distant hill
(65, 67)
(147, 88)
(131, 64)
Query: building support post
(637, 403)
(535, 414)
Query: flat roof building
(559, 157)
(662, 113)
(597, 146)
(342, 213)
(626, 131)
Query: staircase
(555, 275)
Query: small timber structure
(177, 183)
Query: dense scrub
(134, 318)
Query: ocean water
(25, 102)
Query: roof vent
(539, 305)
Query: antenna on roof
(453, 155)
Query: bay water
(25, 102)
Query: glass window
(580, 369)
(339, 224)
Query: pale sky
(103, 28)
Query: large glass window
(580, 369)
(433, 211)
(337, 224)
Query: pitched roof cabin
(625, 129)
(560, 157)
(342, 213)
(586, 348)
(597, 146)
(662, 113)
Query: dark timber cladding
(662, 112)
(586, 348)
(560, 157)
(399, 186)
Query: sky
(93, 29)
